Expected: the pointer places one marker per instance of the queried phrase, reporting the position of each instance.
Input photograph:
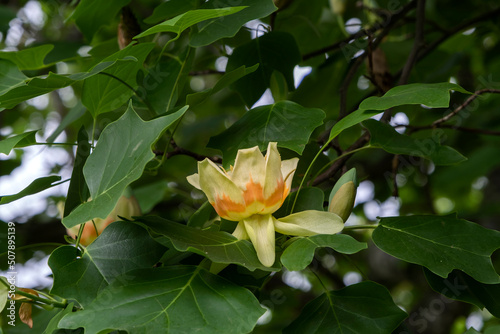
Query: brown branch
(449, 126)
(205, 72)
(465, 104)
(181, 151)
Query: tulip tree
(250, 166)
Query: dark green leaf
(272, 51)
(10, 76)
(115, 86)
(201, 216)
(179, 299)
(22, 140)
(151, 194)
(90, 15)
(310, 198)
(181, 22)
(284, 122)
(300, 253)
(472, 330)
(28, 59)
(169, 9)
(53, 323)
(122, 152)
(460, 286)
(361, 308)
(122, 246)
(441, 244)
(215, 29)
(34, 187)
(226, 80)
(78, 192)
(32, 87)
(386, 137)
(431, 95)
(220, 247)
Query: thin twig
(205, 72)
(465, 104)
(181, 151)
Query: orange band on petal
(224, 205)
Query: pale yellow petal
(194, 180)
(274, 185)
(307, 223)
(222, 193)
(288, 168)
(240, 232)
(249, 167)
(260, 229)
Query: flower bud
(343, 195)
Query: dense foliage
(131, 135)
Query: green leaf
(284, 122)
(201, 216)
(169, 9)
(90, 15)
(181, 22)
(10, 76)
(431, 95)
(78, 192)
(441, 244)
(492, 329)
(4, 292)
(72, 116)
(53, 324)
(472, 330)
(151, 194)
(122, 246)
(32, 87)
(28, 59)
(179, 299)
(460, 286)
(220, 247)
(366, 307)
(274, 51)
(386, 137)
(227, 79)
(310, 198)
(21, 140)
(279, 87)
(165, 80)
(122, 152)
(215, 29)
(300, 253)
(113, 88)
(435, 95)
(34, 187)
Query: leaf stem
(359, 227)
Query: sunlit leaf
(122, 152)
(21, 140)
(28, 59)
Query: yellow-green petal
(307, 223)
(194, 180)
(249, 168)
(240, 232)
(260, 229)
(288, 168)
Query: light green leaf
(215, 29)
(122, 152)
(181, 22)
(366, 307)
(441, 244)
(431, 95)
(10, 76)
(227, 79)
(179, 299)
(90, 15)
(284, 122)
(72, 116)
(220, 247)
(460, 286)
(386, 137)
(113, 88)
(122, 246)
(34, 187)
(28, 59)
(21, 140)
(274, 51)
(300, 253)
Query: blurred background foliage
(461, 44)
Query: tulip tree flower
(252, 191)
